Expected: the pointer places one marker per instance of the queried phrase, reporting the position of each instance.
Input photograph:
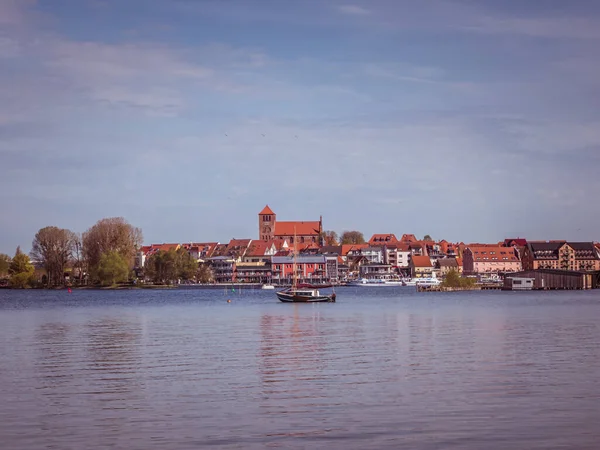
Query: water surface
(381, 368)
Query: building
(223, 268)
(563, 255)
(310, 269)
(237, 248)
(398, 255)
(445, 265)
(260, 251)
(200, 250)
(554, 279)
(253, 272)
(490, 259)
(269, 228)
(376, 271)
(420, 266)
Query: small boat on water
(267, 286)
(305, 293)
(370, 282)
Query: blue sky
(466, 120)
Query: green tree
(454, 280)
(113, 268)
(162, 266)
(427, 238)
(52, 247)
(113, 234)
(352, 237)
(21, 270)
(186, 265)
(4, 264)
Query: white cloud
(353, 10)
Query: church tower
(266, 224)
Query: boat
(426, 281)
(304, 293)
(267, 286)
(369, 282)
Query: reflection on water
(395, 370)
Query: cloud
(353, 10)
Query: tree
(186, 265)
(113, 234)
(4, 264)
(204, 274)
(162, 266)
(21, 270)
(330, 237)
(78, 260)
(113, 268)
(427, 238)
(352, 237)
(454, 280)
(52, 247)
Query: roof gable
(493, 254)
(266, 211)
(421, 261)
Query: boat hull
(290, 297)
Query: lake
(381, 368)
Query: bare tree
(113, 234)
(52, 247)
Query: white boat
(267, 286)
(370, 282)
(426, 281)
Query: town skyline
(257, 234)
(468, 121)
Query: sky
(466, 120)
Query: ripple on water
(385, 369)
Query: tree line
(104, 254)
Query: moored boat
(368, 282)
(304, 293)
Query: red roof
(421, 261)
(258, 248)
(408, 238)
(518, 241)
(155, 248)
(486, 253)
(266, 210)
(346, 248)
(301, 228)
(388, 238)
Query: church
(270, 229)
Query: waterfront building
(582, 256)
(420, 266)
(479, 259)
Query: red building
(269, 228)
